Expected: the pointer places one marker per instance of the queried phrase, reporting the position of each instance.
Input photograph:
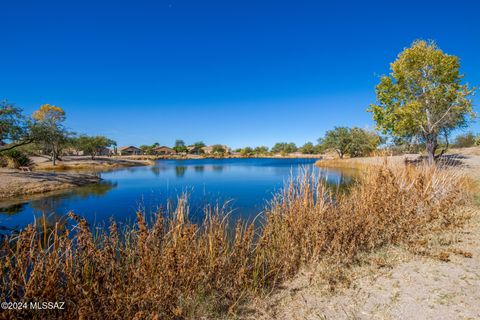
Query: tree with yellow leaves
(49, 131)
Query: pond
(246, 184)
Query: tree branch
(15, 145)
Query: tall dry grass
(176, 269)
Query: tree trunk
(54, 157)
(431, 148)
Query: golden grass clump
(174, 268)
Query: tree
(308, 148)
(218, 149)
(465, 140)
(338, 139)
(355, 142)
(93, 145)
(283, 147)
(48, 130)
(423, 96)
(197, 147)
(13, 127)
(261, 150)
(199, 144)
(180, 146)
(246, 152)
(362, 142)
(147, 149)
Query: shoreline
(15, 183)
(86, 163)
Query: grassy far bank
(177, 269)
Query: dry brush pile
(173, 268)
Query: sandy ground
(402, 286)
(15, 183)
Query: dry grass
(176, 269)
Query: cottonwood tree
(423, 97)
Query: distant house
(129, 151)
(162, 150)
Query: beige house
(129, 151)
(163, 150)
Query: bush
(14, 159)
(465, 140)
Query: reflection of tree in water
(99, 189)
(342, 184)
(13, 209)
(156, 170)
(48, 205)
(199, 168)
(217, 168)
(180, 171)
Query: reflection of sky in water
(246, 183)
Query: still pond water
(247, 185)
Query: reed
(173, 268)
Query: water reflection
(12, 209)
(44, 207)
(180, 171)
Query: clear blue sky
(237, 72)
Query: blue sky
(235, 72)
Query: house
(129, 150)
(163, 150)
